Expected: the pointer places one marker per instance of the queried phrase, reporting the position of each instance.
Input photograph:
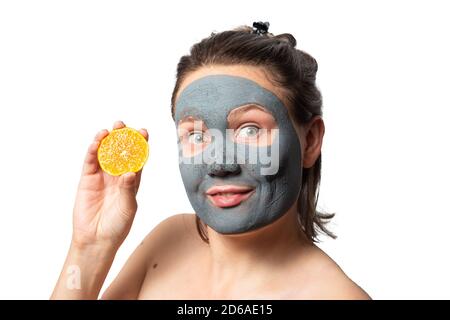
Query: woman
(241, 97)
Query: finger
(144, 133)
(101, 135)
(127, 192)
(118, 125)
(91, 165)
(138, 180)
(127, 181)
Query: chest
(195, 285)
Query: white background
(71, 68)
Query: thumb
(127, 187)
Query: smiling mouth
(229, 195)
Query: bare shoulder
(330, 282)
(173, 248)
(174, 231)
(167, 241)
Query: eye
(248, 132)
(196, 137)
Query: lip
(229, 195)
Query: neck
(235, 257)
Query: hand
(105, 205)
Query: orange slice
(121, 151)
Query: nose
(222, 169)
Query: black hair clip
(260, 27)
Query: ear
(313, 136)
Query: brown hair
(291, 69)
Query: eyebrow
(189, 118)
(233, 113)
(245, 108)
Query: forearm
(84, 272)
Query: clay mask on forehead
(211, 99)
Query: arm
(164, 239)
(104, 211)
(127, 285)
(84, 272)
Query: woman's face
(240, 153)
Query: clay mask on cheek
(211, 99)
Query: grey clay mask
(211, 99)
